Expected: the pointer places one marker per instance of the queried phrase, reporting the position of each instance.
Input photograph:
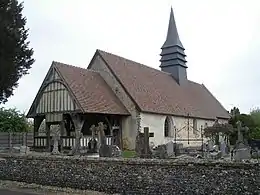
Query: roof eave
(108, 113)
(185, 116)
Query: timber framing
(54, 96)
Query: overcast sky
(221, 38)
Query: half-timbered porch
(67, 132)
(75, 103)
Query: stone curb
(133, 161)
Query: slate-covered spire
(172, 55)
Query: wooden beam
(48, 133)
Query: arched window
(167, 127)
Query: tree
(255, 114)
(15, 54)
(252, 121)
(11, 120)
(235, 111)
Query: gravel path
(10, 192)
(19, 188)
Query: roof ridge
(140, 64)
(65, 64)
(73, 66)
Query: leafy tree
(15, 54)
(255, 114)
(235, 111)
(12, 120)
(252, 121)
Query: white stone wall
(155, 123)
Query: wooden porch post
(78, 121)
(62, 133)
(48, 133)
(34, 130)
(120, 134)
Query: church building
(128, 96)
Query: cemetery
(101, 166)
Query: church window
(167, 127)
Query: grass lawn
(129, 154)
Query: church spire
(172, 55)
(172, 38)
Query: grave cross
(93, 132)
(102, 137)
(56, 139)
(147, 135)
(239, 133)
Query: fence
(67, 141)
(8, 140)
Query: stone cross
(56, 139)
(147, 135)
(239, 133)
(93, 132)
(101, 133)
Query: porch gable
(54, 96)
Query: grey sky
(221, 39)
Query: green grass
(129, 154)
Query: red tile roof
(90, 90)
(155, 91)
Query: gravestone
(24, 149)
(142, 144)
(255, 153)
(115, 151)
(104, 149)
(93, 144)
(15, 149)
(223, 148)
(215, 155)
(139, 144)
(160, 151)
(241, 151)
(179, 148)
(210, 145)
(170, 148)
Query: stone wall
(136, 175)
